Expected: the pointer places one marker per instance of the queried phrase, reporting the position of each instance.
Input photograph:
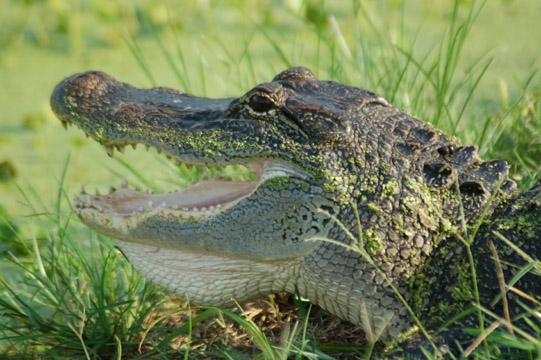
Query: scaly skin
(319, 150)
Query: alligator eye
(261, 104)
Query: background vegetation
(468, 67)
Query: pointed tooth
(158, 150)
(189, 166)
(178, 162)
(147, 147)
(121, 149)
(124, 183)
(217, 175)
(83, 189)
(110, 151)
(169, 157)
(133, 146)
(98, 192)
(65, 125)
(137, 187)
(111, 189)
(87, 136)
(204, 176)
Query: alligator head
(330, 161)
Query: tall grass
(75, 296)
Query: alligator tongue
(203, 195)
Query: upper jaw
(189, 129)
(116, 114)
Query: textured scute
(476, 180)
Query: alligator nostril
(89, 82)
(76, 87)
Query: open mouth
(185, 128)
(204, 198)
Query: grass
(70, 294)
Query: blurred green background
(217, 49)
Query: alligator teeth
(65, 125)
(124, 184)
(133, 146)
(98, 192)
(122, 149)
(217, 175)
(111, 189)
(147, 147)
(110, 150)
(83, 189)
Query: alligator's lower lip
(202, 199)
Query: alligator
(374, 215)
